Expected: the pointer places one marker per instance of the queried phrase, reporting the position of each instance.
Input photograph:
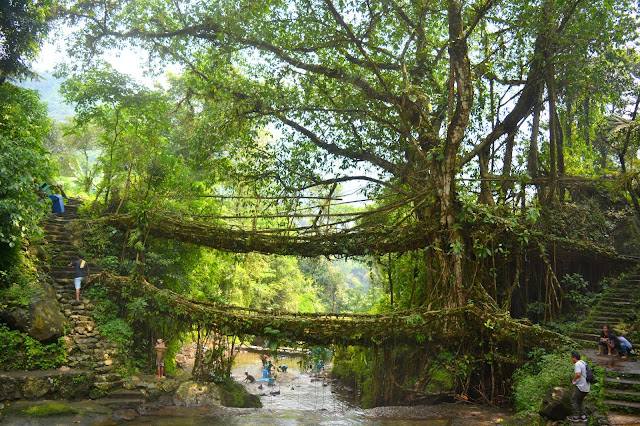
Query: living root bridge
(359, 242)
(378, 239)
(446, 328)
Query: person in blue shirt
(623, 346)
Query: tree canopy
(23, 26)
(410, 97)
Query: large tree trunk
(459, 63)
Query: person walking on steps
(581, 390)
(82, 271)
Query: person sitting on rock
(249, 377)
(606, 340)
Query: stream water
(297, 397)
(300, 397)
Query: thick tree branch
(331, 148)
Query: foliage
(577, 293)
(18, 294)
(23, 26)
(23, 165)
(545, 371)
(18, 351)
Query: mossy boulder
(42, 319)
(556, 404)
(192, 394)
(441, 381)
(235, 395)
(228, 393)
(72, 384)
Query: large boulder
(192, 394)
(70, 384)
(556, 404)
(42, 319)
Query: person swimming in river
(249, 377)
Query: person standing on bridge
(82, 271)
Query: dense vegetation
(494, 146)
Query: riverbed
(304, 397)
(297, 397)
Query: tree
(392, 89)
(23, 166)
(23, 26)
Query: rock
(42, 319)
(11, 388)
(37, 387)
(556, 404)
(191, 394)
(39, 252)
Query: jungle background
(315, 156)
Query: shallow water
(303, 399)
(298, 388)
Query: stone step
(121, 403)
(67, 273)
(56, 232)
(622, 383)
(109, 386)
(597, 325)
(622, 395)
(105, 368)
(607, 317)
(626, 375)
(587, 337)
(624, 406)
(110, 377)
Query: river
(298, 397)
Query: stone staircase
(617, 304)
(87, 349)
(621, 387)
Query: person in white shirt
(582, 388)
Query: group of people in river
(613, 343)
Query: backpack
(590, 377)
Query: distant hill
(49, 88)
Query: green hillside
(49, 86)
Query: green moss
(52, 409)
(233, 394)
(441, 380)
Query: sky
(131, 61)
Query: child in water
(160, 351)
